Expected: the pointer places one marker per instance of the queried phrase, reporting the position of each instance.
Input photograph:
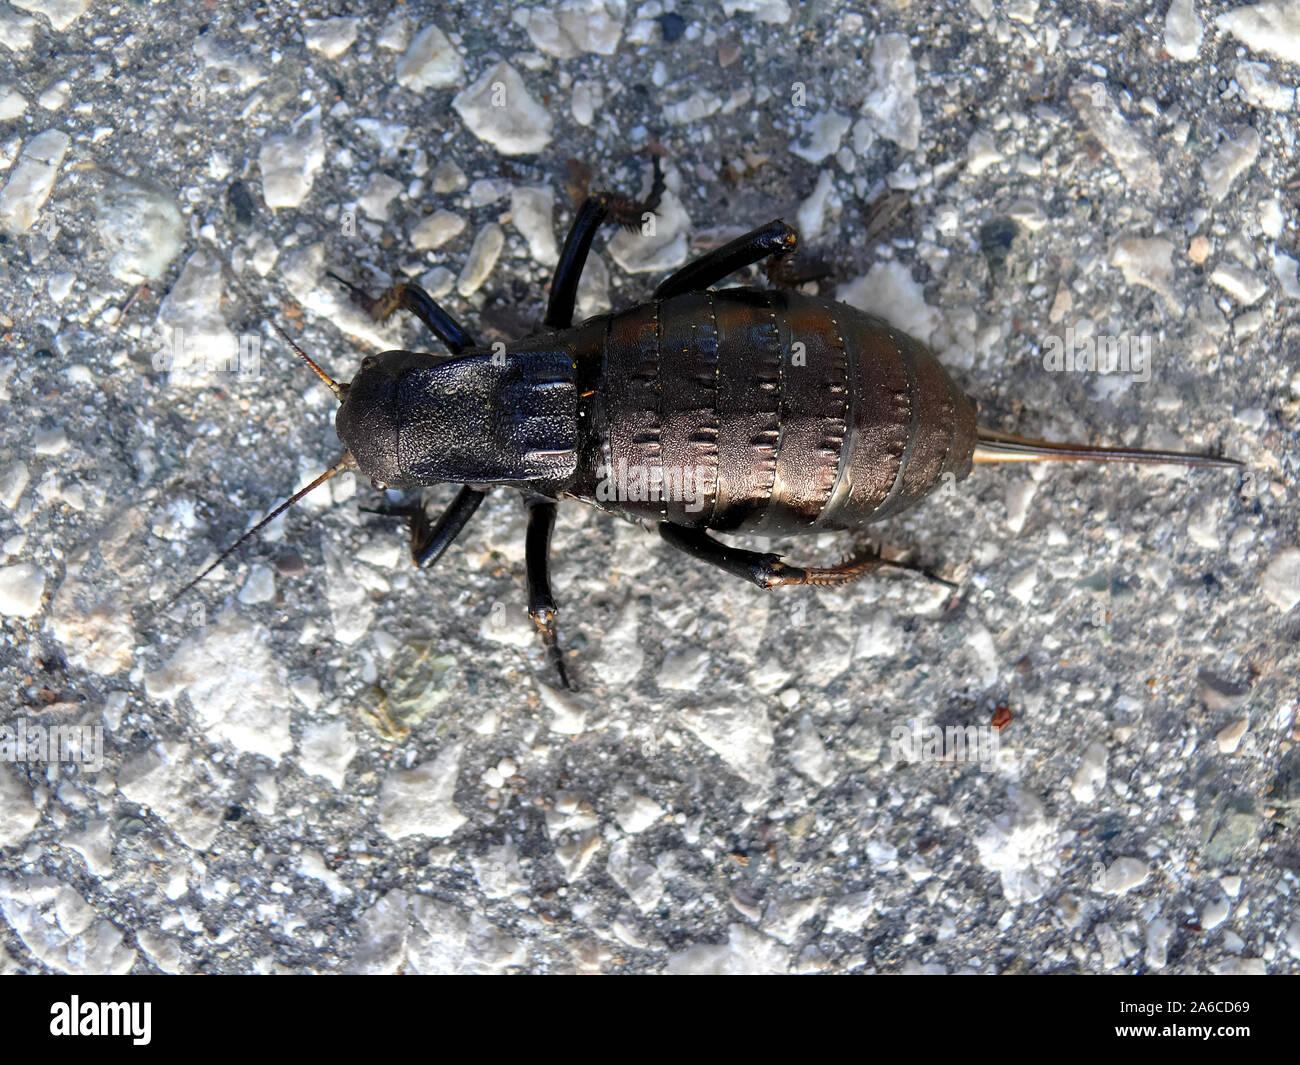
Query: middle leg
(430, 539)
(537, 562)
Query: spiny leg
(406, 295)
(537, 562)
(430, 539)
(776, 238)
(595, 210)
(767, 570)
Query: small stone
(21, 589)
(418, 802)
(61, 13)
(31, 180)
(1122, 876)
(259, 587)
(327, 751)
(498, 110)
(380, 192)
(531, 209)
(482, 258)
(431, 62)
(16, 31)
(637, 814)
(568, 29)
(1146, 261)
(50, 441)
(1129, 149)
(1280, 583)
(13, 482)
(330, 36)
(289, 162)
(1273, 28)
(824, 132)
(140, 224)
(1228, 161)
(1239, 283)
(774, 11)
(588, 97)
(1199, 250)
(1229, 737)
(1258, 89)
(1183, 31)
(1215, 913)
(664, 248)
(448, 178)
(12, 104)
(1091, 774)
(891, 104)
(436, 230)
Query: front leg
(537, 563)
(430, 539)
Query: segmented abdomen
(764, 411)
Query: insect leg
(430, 539)
(537, 562)
(775, 238)
(595, 209)
(767, 570)
(411, 297)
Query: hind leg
(767, 570)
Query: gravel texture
(323, 760)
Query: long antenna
(996, 446)
(338, 389)
(347, 462)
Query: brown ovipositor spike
(347, 462)
(996, 446)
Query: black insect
(741, 411)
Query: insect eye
(377, 484)
(368, 362)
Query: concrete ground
(321, 759)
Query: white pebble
(1280, 583)
(431, 62)
(436, 230)
(1183, 31)
(1272, 27)
(290, 161)
(1239, 283)
(32, 180)
(330, 36)
(531, 210)
(1122, 876)
(21, 587)
(482, 258)
(140, 224)
(1228, 161)
(498, 110)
